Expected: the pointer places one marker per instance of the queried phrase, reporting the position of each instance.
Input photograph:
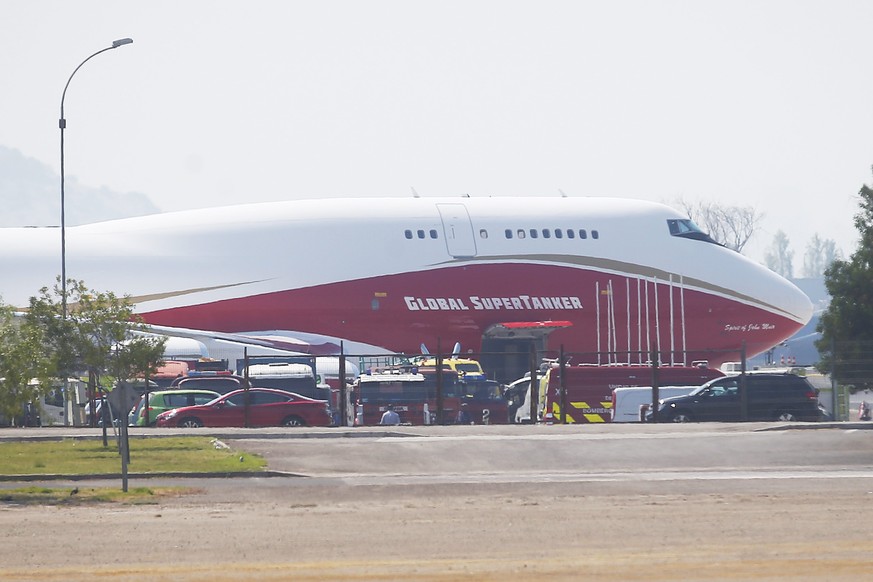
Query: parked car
(165, 400)
(221, 381)
(770, 396)
(266, 407)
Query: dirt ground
(281, 528)
(483, 503)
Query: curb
(248, 434)
(167, 475)
(842, 425)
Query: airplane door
(458, 230)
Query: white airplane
(588, 274)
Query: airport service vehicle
(466, 369)
(168, 372)
(481, 402)
(783, 397)
(589, 387)
(164, 400)
(481, 271)
(59, 405)
(632, 403)
(325, 368)
(265, 407)
(291, 377)
(517, 395)
(414, 397)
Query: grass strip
(154, 455)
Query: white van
(57, 407)
(626, 401)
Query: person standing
(463, 415)
(390, 417)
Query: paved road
(654, 502)
(583, 454)
(519, 454)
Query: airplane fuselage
(623, 275)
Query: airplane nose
(778, 295)
(797, 304)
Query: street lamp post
(62, 123)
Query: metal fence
(525, 368)
(505, 368)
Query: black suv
(782, 397)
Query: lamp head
(121, 41)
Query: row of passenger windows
(510, 233)
(432, 233)
(549, 233)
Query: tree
(830, 253)
(100, 334)
(812, 258)
(780, 258)
(138, 356)
(732, 226)
(21, 361)
(846, 326)
(819, 255)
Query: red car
(267, 407)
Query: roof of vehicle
(212, 374)
(208, 375)
(756, 374)
(280, 369)
(451, 362)
(391, 378)
(773, 373)
(183, 391)
(521, 380)
(273, 391)
(170, 369)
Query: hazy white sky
(762, 103)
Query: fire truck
(413, 395)
(589, 387)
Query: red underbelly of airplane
(460, 304)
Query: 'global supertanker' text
(477, 303)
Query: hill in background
(30, 195)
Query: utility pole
(534, 384)
(656, 391)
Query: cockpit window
(687, 229)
